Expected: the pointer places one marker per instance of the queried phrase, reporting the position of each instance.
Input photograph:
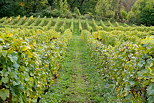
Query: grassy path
(79, 85)
(79, 80)
(72, 85)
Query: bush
(123, 14)
(55, 13)
(142, 12)
(76, 13)
(87, 16)
(67, 14)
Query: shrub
(142, 12)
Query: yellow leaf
(30, 54)
(22, 4)
(24, 48)
(9, 35)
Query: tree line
(136, 11)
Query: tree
(106, 9)
(142, 12)
(147, 14)
(51, 2)
(10, 7)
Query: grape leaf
(150, 89)
(4, 93)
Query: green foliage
(89, 28)
(100, 9)
(77, 13)
(88, 6)
(63, 5)
(4, 93)
(9, 8)
(32, 50)
(29, 59)
(104, 9)
(61, 9)
(124, 57)
(123, 14)
(110, 9)
(150, 92)
(142, 12)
